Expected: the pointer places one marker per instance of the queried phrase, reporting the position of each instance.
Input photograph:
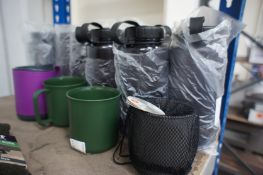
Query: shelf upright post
(236, 10)
(61, 12)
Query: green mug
(93, 118)
(57, 104)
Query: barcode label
(78, 145)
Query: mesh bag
(163, 144)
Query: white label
(78, 145)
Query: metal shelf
(236, 11)
(61, 12)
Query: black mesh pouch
(163, 144)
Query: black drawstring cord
(120, 147)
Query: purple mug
(28, 79)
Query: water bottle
(99, 63)
(140, 39)
(142, 58)
(141, 61)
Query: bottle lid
(100, 36)
(144, 105)
(145, 34)
(81, 35)
(84, 32)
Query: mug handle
(36, 109)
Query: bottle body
(99, 66)
(100, 51)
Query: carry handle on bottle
(167, 30)
(82, 33)
(36, 95)
(115, 28)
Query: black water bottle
(99, 66)
(140, 39)
(142, 59)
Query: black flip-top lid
(144, 34)
(80, 37)
(100, 36)
(82, 32)
(136, 34)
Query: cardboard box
(256, 55)
(255, 116)
(259, 107)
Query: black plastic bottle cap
(144, 34)
(101, 36)
(81, 35)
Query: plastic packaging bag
(57, 45)
(78, 55)
(63, 45)
(39, 43)
(198, 66)
(100, 71)
(143, 75)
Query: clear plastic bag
(100, 71)
(143, 75)
(78, 56)
(63, 45)
(39, 43)
(198, 66)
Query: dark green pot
(94, 117)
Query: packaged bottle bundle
(39, 44)
(141, 60)
(53, 45)
(78, 54)
(99, 60)
(198, 61)
(63, 45)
